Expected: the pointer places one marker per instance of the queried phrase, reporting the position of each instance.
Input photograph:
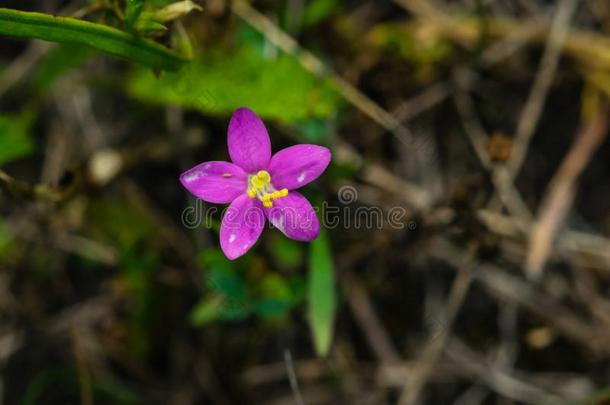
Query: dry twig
(544, 77)
(558, 199)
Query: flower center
(259, 185)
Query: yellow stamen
(260, 187)
(264, 176)
(257, 183)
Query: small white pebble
(105, 165)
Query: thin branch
(497, 380)
(18, 189)
(544, 77)
(560, 194)
(365, 314)
(418, 378)
(504, 186)
(292, 377)
(312, 63)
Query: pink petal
(242, 224)
(298, 165)
(295, 217)
(249, 144)
(215, 182)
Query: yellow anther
(261, 187)
(264, 176)
(257, 182)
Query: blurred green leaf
(227, 298)
(278, 296)
(272, 308)
(249, 37)
(227, 284)
(285, 253)
(25, 24)
(213, 258)
(315, 130)
(133, 9)
(147, 25)
(57, 62)
(321, 293)
(120, 223)
(218, 308)
(411, 43)
(318, 10)
(136, 268)
(277, 88)
(5, 238)
(41, 380)
(206, 311)
(274, 285)
(67, 376)
(15, 141)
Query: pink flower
(259, 186)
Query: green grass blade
(322, 301)
(24, 24)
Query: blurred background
(465, 255)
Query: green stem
(24, 24)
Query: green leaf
(286, 253)
(147, 25)
(271, 308)
(321, 294)
(316, 130)
(24, 24)
(206, 311)
(317, 10)
(15, 141)
(217, 307)
(278, 88)
(133, 9)
(5, 238)
(277, 296)
(122, 223)
(407, 42)
(213, 258)
(227, 284)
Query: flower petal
(295, 217)
(298, 165)
(242, 224)
(249, 144)
(215, 182)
